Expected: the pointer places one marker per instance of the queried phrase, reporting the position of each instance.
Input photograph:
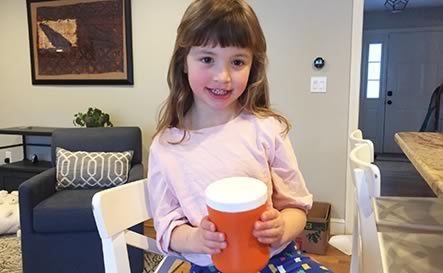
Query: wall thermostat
(319, 62)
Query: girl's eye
(238, 62)
(206, 60)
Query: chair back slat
(137, 240)
(121, 207)
(356, 138)
(357, 134)
(359, 159)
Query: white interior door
(415, 69)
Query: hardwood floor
(400, 178)
(334, 259)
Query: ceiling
(371, 5)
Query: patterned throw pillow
(87, 170)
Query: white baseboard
(337, 226)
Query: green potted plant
(94, 117)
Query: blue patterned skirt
(289, 260)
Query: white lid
(236, 194)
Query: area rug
(11, 259)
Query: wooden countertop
(425, 150)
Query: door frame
(354, 101)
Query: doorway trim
(354, 101)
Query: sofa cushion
(66, 211)
(89, 170)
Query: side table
(15, 173)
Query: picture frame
(80, 42)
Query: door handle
(389, 102)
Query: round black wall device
(34, 159)
(319, 62)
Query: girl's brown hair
(224, 23)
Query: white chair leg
(355, 245)
(115, 254)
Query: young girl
(217, 123)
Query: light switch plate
(318, 84)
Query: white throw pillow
(89, 170)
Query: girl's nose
(223, 75)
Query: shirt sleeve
(163, 204)
(289, 188)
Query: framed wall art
(80, 41)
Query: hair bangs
(229, 30)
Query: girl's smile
(219, 92)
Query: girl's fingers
(269, 215)
(267, 241)
(207, 225)
(211, 251)
(215, 245)
(269, 237)
(213, 242)
(214, 236)
(259, 225)
(267, 233)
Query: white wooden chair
(117, 209)
(356, 138)
(366, 178)
(419, 218)
(391, 213)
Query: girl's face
(218, 76)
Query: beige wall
(297, 32)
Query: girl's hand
(206, 238)
(270, 228)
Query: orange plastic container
(234, 205)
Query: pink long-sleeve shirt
(245, 146)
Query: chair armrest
(32, 192)
(136, 173)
